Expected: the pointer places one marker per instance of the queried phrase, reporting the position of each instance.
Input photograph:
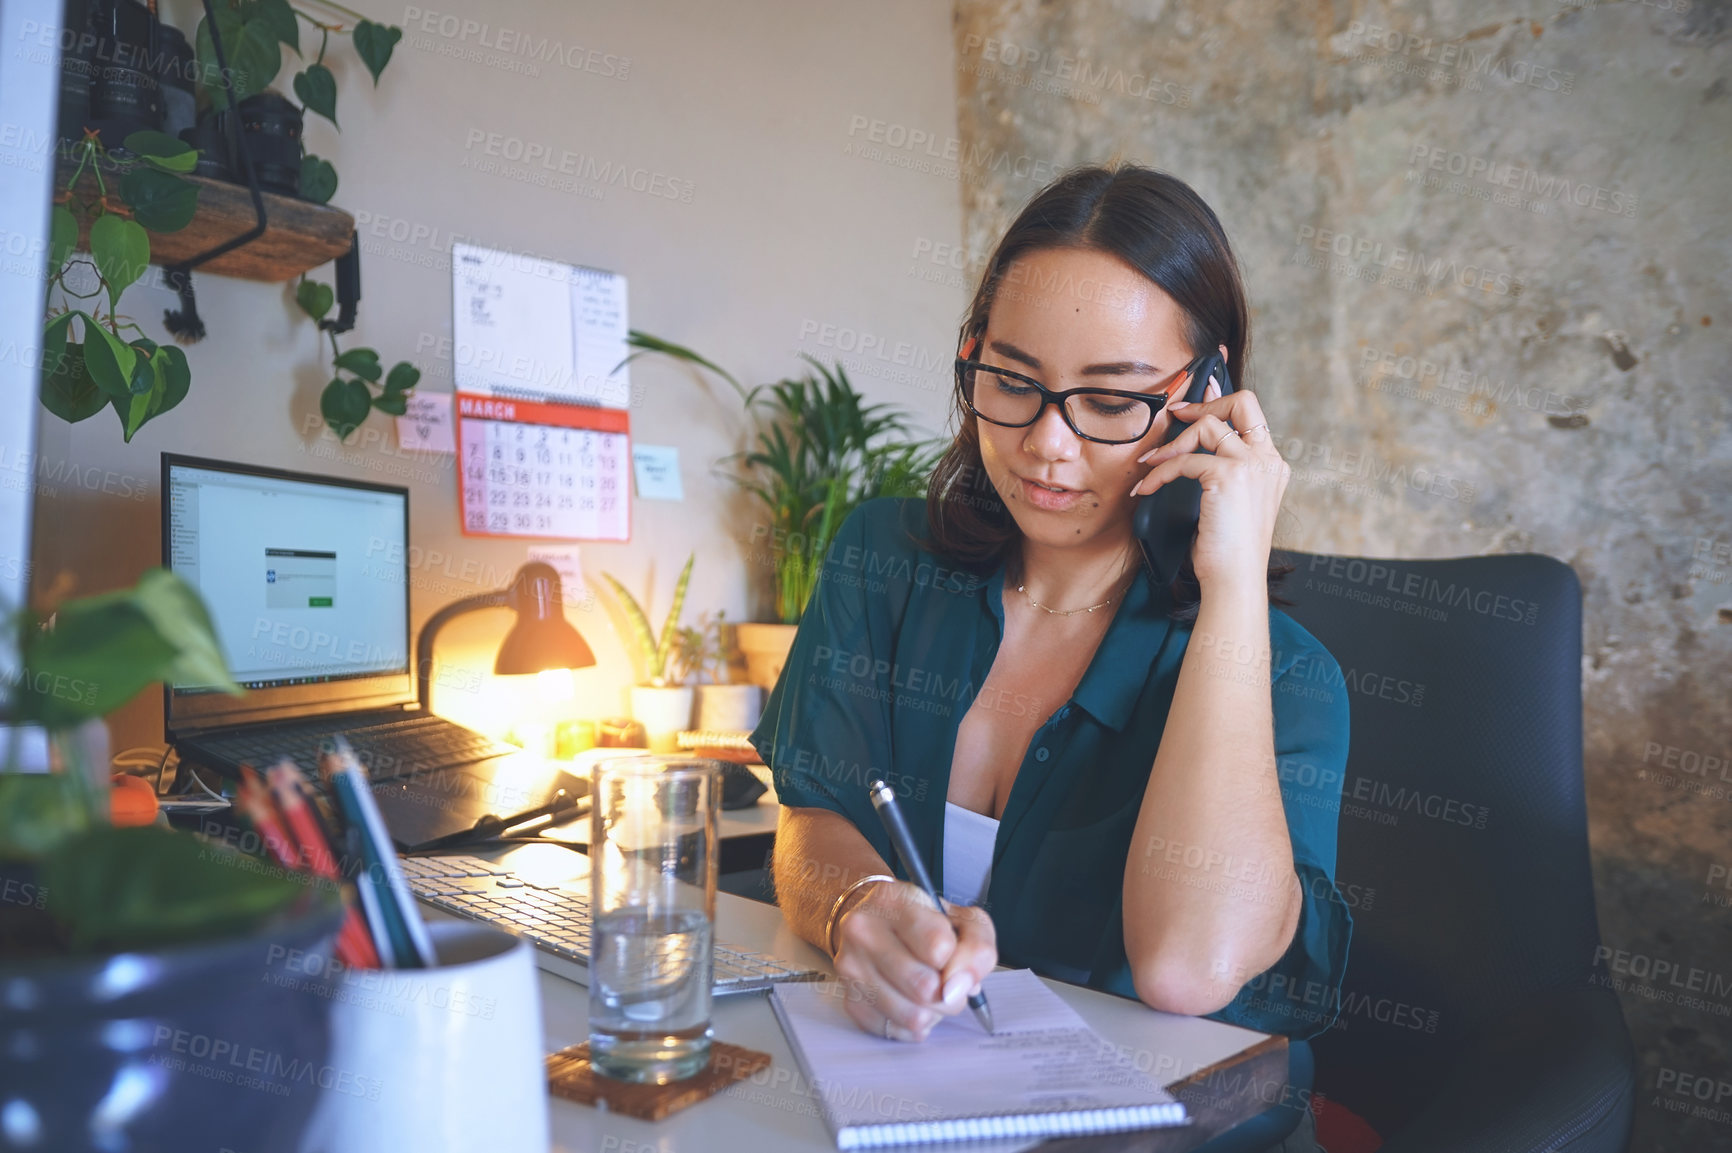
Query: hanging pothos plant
(253, 35)
(349, 399)
(108, 361)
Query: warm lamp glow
(551, 685)
(541, 639)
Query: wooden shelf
(299, 235)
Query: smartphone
(1166, 520)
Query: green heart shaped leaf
(62, 236)
(281, 19)
(254, 55)
(104, 649)
(67, 390)
(162, 149)
(318, 180)
(176, 376)
(121, 250)
(363, 362)
(101, 652)
(317, 89)
(373, 44)
(392, 403)
(402, 377)
(314, 298)
(179, 615)
(210, 75)
(144, 369)
(161, 201)
(177, 164)
(132, 412)
(54, 337)
(344, 404)
(110, 361)
(259, 56)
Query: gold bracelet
(831, 922)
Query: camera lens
(125, 96)
(272, 125)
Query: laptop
(307, 581)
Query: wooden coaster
(570, 1075)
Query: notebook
(1043, 1073)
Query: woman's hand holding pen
(1243, 483)
(912, 965)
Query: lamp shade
(541, 638)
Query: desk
(775, 1110)
(747, 835)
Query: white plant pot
(663, 712)
(729, 708)
(766, 650)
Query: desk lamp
(541, 639)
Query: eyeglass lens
(1006, 400)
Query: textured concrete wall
(1487, 250)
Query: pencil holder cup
(441, 1059)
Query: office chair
(1468, 1019)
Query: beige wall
(791, 242)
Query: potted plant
(816, 451)
(137, 961)
(662, 701)
(709, 650)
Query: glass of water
(653, 857)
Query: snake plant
(656, 654)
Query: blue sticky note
(657, 468)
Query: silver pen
(884, 800)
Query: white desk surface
(776, 1109)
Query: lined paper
(1043, 1071)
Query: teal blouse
(890, 655)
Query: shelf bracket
(185, 323)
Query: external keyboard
(555, 918)
(387, 750)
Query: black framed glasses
(1103, 415)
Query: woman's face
(1076, 318)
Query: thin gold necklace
(1023, 589)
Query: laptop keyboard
(387, 750)
(556, 919)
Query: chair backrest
(1463, 847)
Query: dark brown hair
(1158, 225)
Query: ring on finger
(887, 1036)
(1258, 428)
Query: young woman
(1116, 783)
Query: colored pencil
(354, 796)
(255, 802)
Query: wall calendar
(549, 471)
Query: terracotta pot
(766, 649)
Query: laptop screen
(305, 580)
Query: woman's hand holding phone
(1243, 482)
(907, 966)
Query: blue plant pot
(201, 1047)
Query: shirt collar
(1115, 677)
